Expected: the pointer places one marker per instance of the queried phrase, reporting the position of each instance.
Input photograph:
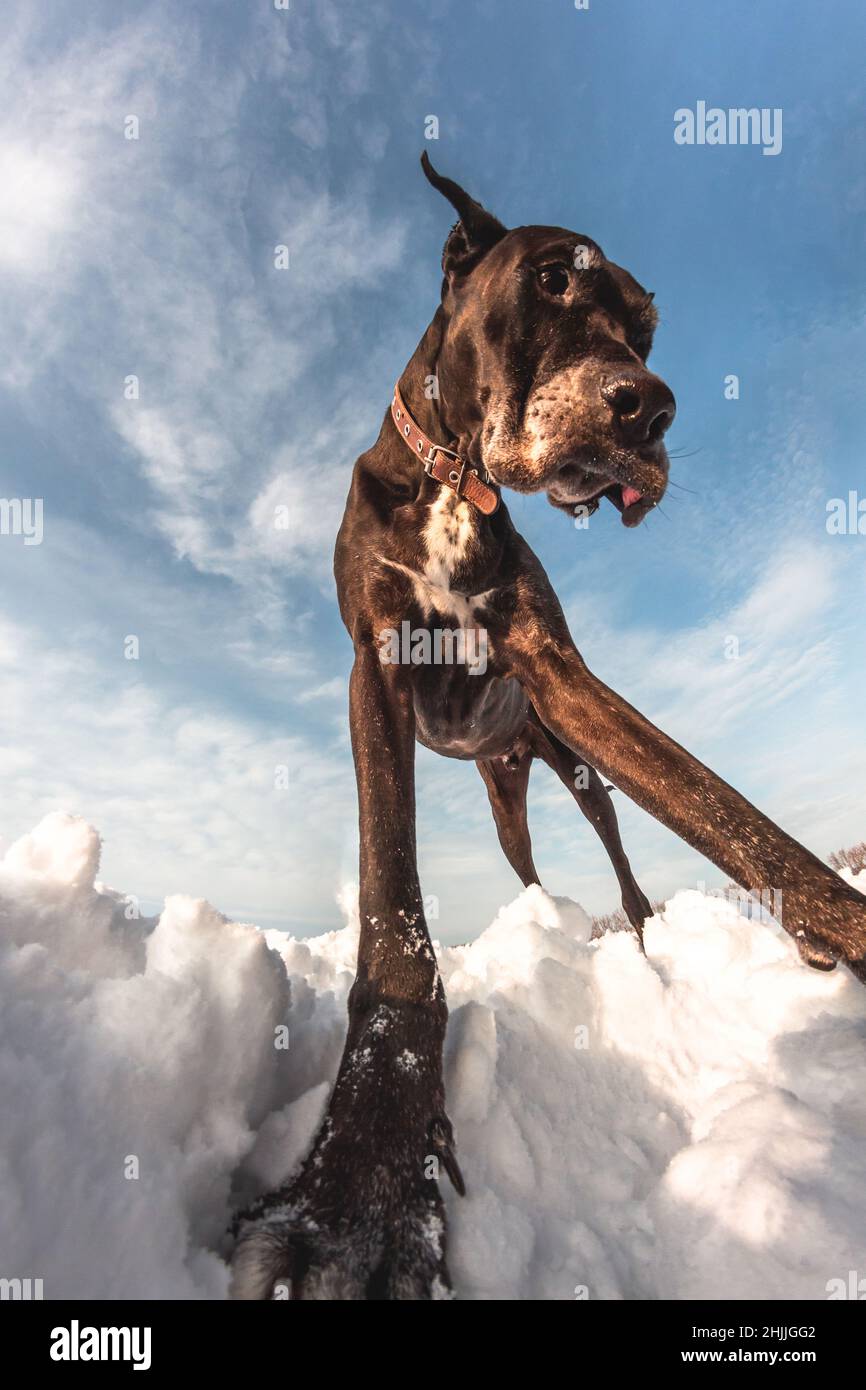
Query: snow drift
(692, 1125)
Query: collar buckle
(430, 460)
(456, 475)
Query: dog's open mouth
(631, 502)
(632, 482)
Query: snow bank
(688, 1126)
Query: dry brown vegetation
(853, 858)
(615, 921)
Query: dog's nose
(643, 406)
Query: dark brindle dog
(532, 375)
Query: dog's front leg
(364, 1218)
(820, 910)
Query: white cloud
(38, 202)
(182, 788)
(155, 258)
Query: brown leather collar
(442, 464)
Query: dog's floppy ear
(475, 233)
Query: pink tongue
(630, 495)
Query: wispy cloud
(190, 793)
(257, 387)
(155, 259)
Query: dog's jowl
(538, 351)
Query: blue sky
(258, 387)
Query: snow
(691, 1125)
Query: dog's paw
(293, 1252)
(830, 929)
(813, 953)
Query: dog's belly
(464, 716)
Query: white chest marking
(447, 537)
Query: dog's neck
(419, 384)
(419, 387)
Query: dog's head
(542, 368)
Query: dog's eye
(554, 278)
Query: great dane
(532, 376)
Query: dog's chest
(448, 538)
